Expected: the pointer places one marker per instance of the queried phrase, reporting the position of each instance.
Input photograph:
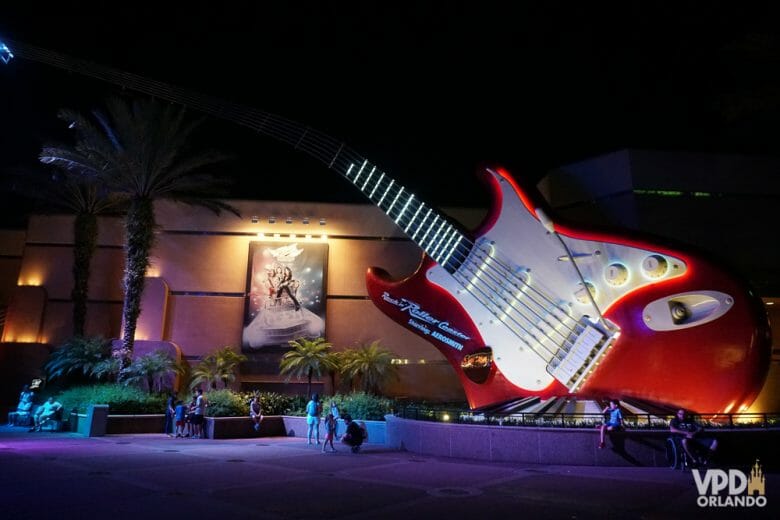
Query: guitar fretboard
(436, 234)
(431, 230)
(428, 228)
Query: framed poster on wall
(286, 283)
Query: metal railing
(646, 421)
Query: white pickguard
(518, 240)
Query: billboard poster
(285, 293)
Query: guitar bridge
(575, 363)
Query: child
(330, 432)
(179, 418)
(255, 412)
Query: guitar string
(510, 308)
(488, 301)
(320, 147)
(517, 281)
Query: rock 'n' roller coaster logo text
(423, 321)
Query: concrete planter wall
(138, 423)
(575, 446)
(569, 446)
(243, 427)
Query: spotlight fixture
(255, 219)
(322, 221)
(272, 220)
(277, 235)
(305, 220)
(293, 236)
(288, 220)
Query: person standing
(180, 414)
(313, 411)
(197, 417)
(334, 410)
(330, 432)
(170, 412)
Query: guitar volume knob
(616, 274)
(582, 296)
(655, 266)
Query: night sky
(427, 91)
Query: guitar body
(684, 332)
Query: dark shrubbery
(226, 403)
(359, 405)
(119, 398)
(221, 403)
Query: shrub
(359, 405)
(120, 399)
(226, 403)
(271, 403)
(276, 404)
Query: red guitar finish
(716, 366)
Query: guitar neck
(427, 227)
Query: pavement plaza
(64, 475)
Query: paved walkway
(144, 477)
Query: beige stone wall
(197, 281)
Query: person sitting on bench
(22, 414)
(45, 413)
(691, 432)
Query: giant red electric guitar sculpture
(524, 307)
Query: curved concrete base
(570, 446)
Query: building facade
(203, 286)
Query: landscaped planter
(243, 427)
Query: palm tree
(227, 361)
(78, 355)
(150, 369)
(76, 192)
(307, 357)
(108, 368)
(206, 371)
(141, 149)
(372, 364)
(335, 362)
